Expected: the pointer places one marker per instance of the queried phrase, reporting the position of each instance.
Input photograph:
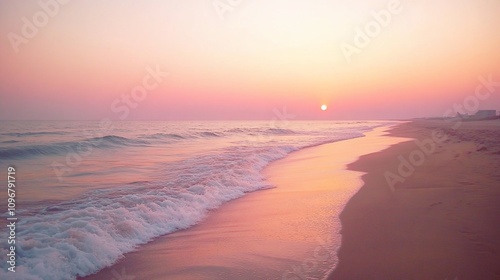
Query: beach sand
(442, 222)
(287, 232)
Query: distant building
(484, 114)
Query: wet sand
(441, 222)
(287, 232)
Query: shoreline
(273, 233)
(440, 222)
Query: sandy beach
(441, 222)
(287, 232)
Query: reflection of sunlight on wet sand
(266, 233)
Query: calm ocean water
(88, 192)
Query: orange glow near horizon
(253, 58)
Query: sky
(247, 59)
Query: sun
(324, 107)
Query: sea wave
(19, 134)
(280, 131)
(163, 136)
(9, 141)
(82, 236)
(210, 134)
(109, 141)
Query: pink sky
(261, 55)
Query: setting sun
(324, 107)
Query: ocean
(88, 192)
